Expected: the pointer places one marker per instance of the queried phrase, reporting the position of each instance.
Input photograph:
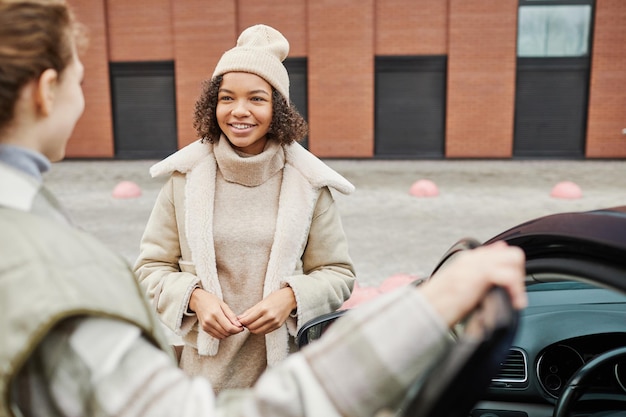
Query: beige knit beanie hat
(260, 50)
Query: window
(553, 31)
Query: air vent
(512, 370)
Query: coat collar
(17, 189)
(308, 165)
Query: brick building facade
(464, 52)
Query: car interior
(563, 355)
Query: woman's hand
(270, 313)
(214, 315)
(456, 289)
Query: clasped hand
(217, 319)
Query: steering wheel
(579, 382)
(458, 380)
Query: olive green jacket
(50, 272)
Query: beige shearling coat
(309, 252)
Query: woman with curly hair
(245, 244)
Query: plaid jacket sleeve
(369, 358)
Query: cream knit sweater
(245, 209)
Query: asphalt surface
(389, 230)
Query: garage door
(297, 69)
(551, 108)
(410, 107)
(553, 61)
(144, 109)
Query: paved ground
(389, 230)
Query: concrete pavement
(389, 230)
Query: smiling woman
(245, 242)
(244, 111)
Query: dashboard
(566, 325)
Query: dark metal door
(144, 109)
(297, 69)
(551, 107)
(410, 107)
(553, 61)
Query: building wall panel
(139, 30)
(288, 16)
(418, 27)
(202, 32)
(341, 77)
(607, 98)
(93, 135)
(481, 78)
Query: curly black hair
(287, 124)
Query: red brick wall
(139, 30)
(203, 30)
(341, 77)
(341, 38)
(607, 98)
(287, 16)
(93, 135)
(417, 27)
(481, 78)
